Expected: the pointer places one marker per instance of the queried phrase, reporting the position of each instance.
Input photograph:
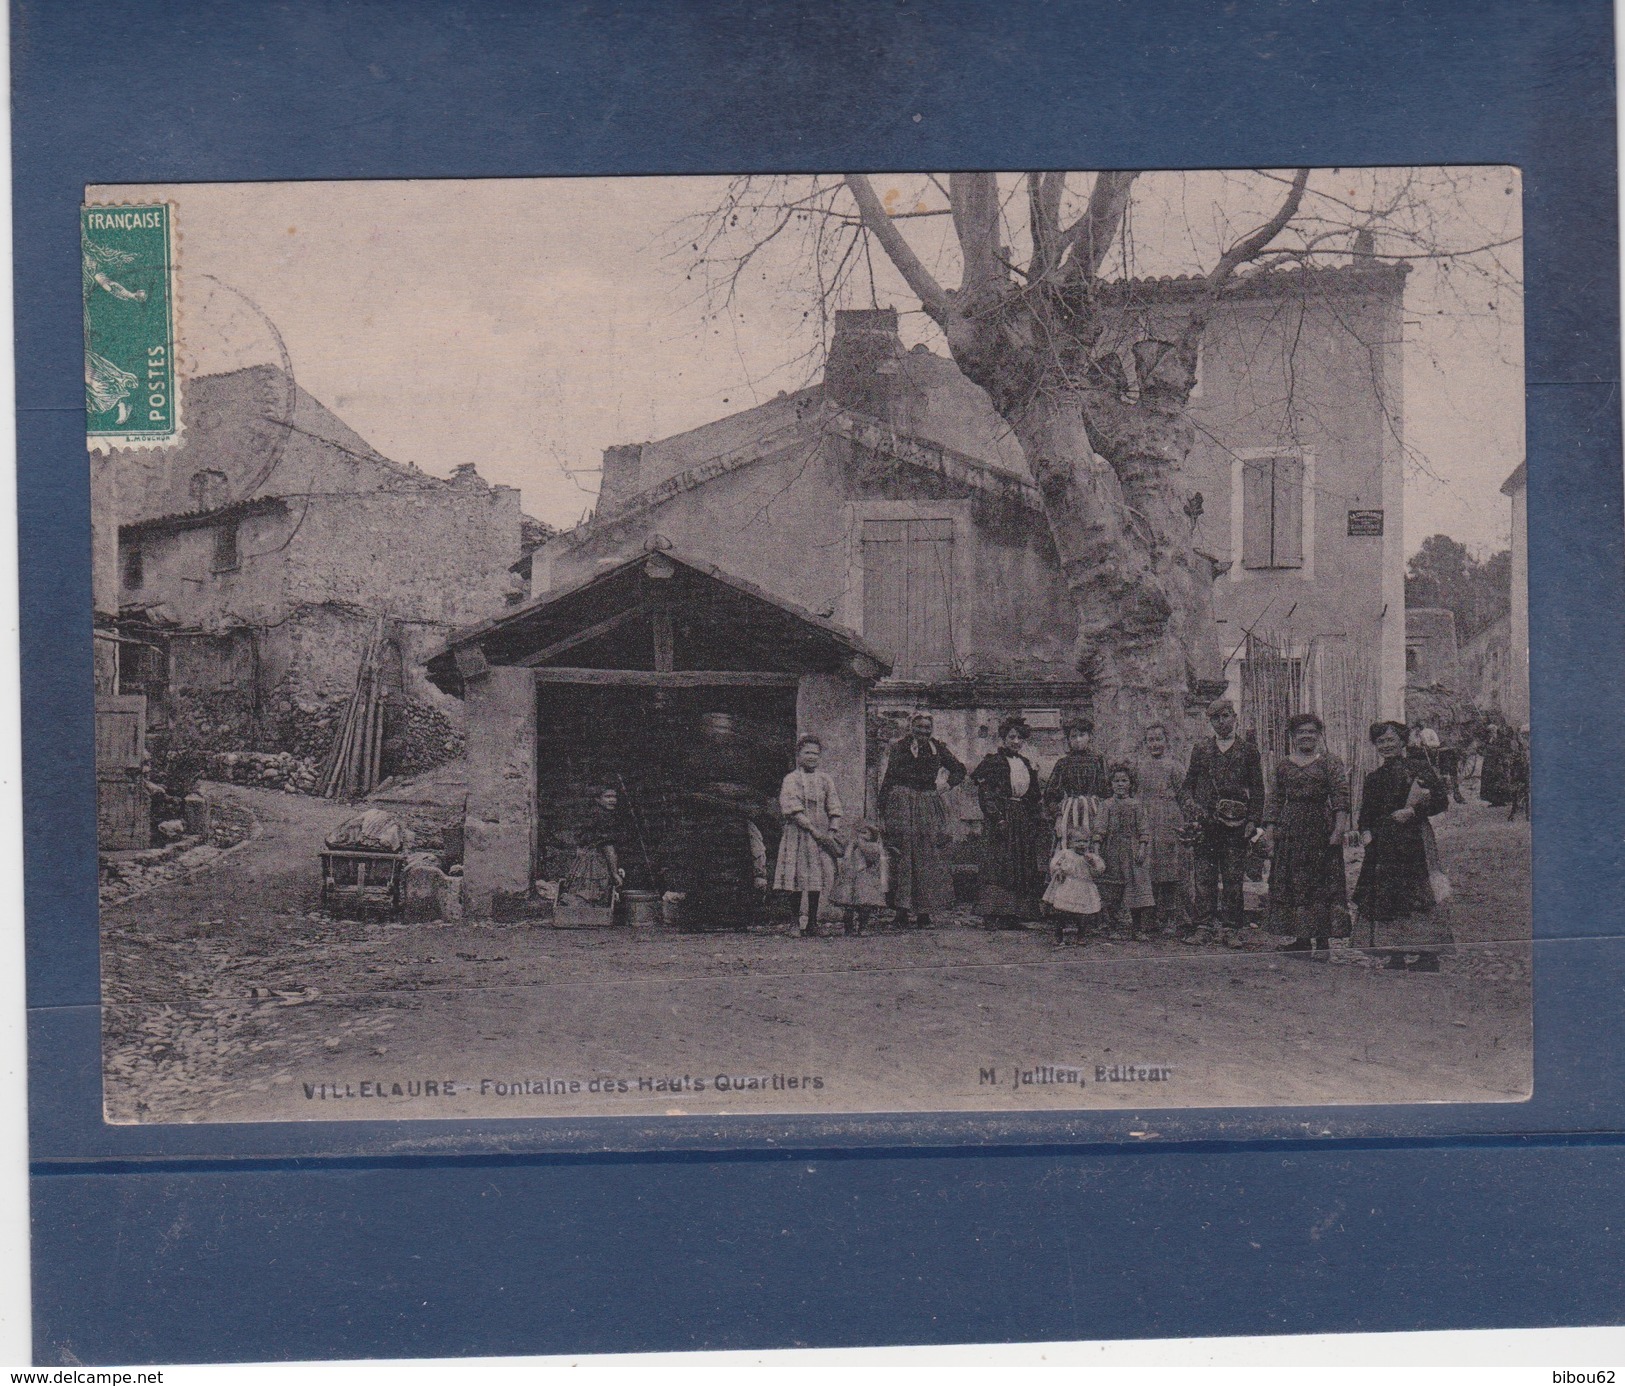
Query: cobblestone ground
(229, 996)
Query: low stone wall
(264, 770)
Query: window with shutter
(1257, 482)
(885, 585)
(1272, 512)
(930, 568)
(908, 593)
(1287, 529)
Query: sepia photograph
(958, 642)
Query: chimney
(861, 370)
(622, 476)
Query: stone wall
(500, 826)
(831, 707)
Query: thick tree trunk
(1111, 469)
(1110, 473)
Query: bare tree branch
(975, 200)
(1248, 248)
(898, 251)
(1256, 243)
(1044, 212)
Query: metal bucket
(642, 907)
(671, 907)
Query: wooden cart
(363, 880)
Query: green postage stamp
(131, 386)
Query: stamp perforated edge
(105, 443)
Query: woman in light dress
(1161, 786)
(811, 845)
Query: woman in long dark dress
(724, 872)
(595, 873)
(1399, 916)
(1010, 878)
(1306, 823)
(724, 822)
(916, 822)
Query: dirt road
(231, 997)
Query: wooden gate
(123, 809)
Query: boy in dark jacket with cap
(1224, 795)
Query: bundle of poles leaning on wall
(352, 765)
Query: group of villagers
(1115, 851)
(1136, 849)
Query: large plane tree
(1027, 294)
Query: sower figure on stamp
(916, 821)
(1224, 794)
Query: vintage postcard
(850, 644)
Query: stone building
(608, 681)
(1430, 647)
(257, 561)
(891, 501)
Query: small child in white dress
(863, 882)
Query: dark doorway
(643, 741)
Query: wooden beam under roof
(581, 637)
(678, 678)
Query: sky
(525, 325)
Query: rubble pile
(417, 737)
(264, 770)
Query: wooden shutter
(1257, 507)
(930, 587)
(1287, 549)
(885, 587)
